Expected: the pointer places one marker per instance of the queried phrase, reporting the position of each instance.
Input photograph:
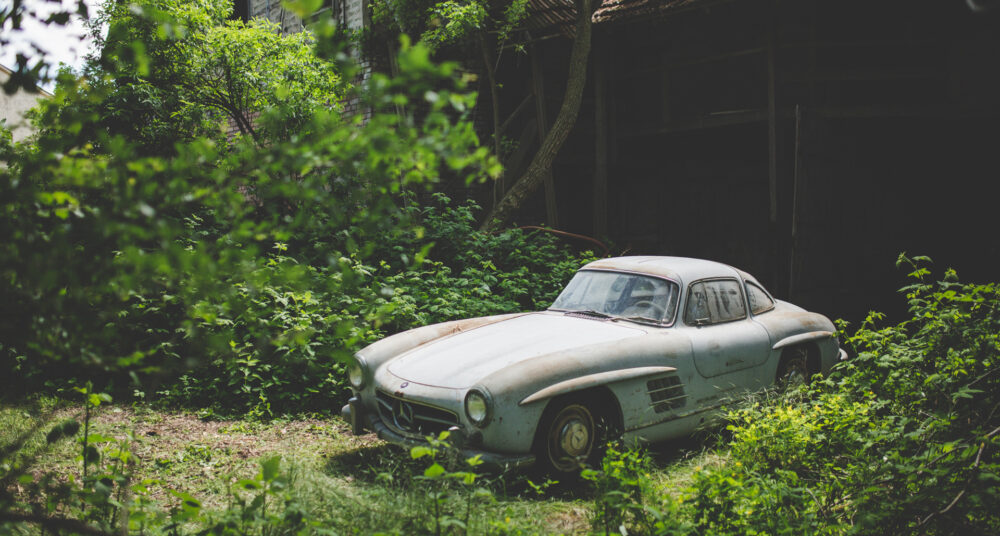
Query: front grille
(666, 393)
(413, 417)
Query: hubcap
(571, 437)
(575, 437)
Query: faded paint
(465, 358)
(523, 362)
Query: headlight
(357, 372)
(478, 407)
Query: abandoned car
(637, 347)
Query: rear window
(714, 302)
(760, 302)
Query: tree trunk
(542, 162)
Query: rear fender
(812, 336)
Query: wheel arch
(599, 399)
(814, 363)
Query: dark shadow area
(378, 463)
(677, 450)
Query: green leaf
(434, 471)
(419, 451)
(269, 468)
(187, 500)
(248, 484)
(91, 454)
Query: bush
(284, 344)
(902, 439)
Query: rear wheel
(794, 367)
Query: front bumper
(360, 419)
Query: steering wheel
(645, 306)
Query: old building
(808, 141)
(13, 107)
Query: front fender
(536, 380)
(522, 392)
(593, 380)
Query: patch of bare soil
(184, 453)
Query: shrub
(902, 439)
(281, 343)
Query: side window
(760, 302)
(714, 302)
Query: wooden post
(665, 95)
(796, 184)
(772, 130)
(551, 213)
(601, 144)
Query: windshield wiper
(639, 319)
(590, 312)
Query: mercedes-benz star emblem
(405, 415)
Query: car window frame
(766, 293)
(680, 289)
(743, 300)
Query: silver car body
(663, 378)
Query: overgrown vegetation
(287, 343)
(314, 477)
(145, 255)
(902, 439)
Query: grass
(348, 484)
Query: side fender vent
(666, 394)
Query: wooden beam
(665, 96)
(772, 130)
(529, 134)
(601, 143)
(551, 212)
(517, 111)
(796, 185)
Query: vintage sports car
(640, 347)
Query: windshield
(632, 296)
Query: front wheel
(569, 437)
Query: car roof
(680, 269)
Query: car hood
(461, 360)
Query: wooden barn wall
(807, 142)
(573, 169)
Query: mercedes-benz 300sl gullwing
(637, 347)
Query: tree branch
(542, 161)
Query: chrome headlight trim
(479, 406)
(357, 372)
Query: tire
(574, 432)
(568, 438)
(794, 367)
